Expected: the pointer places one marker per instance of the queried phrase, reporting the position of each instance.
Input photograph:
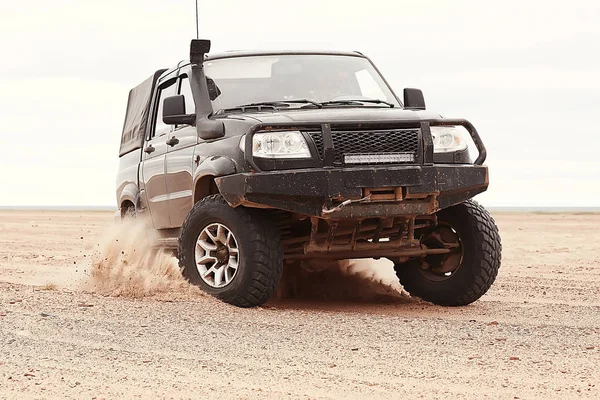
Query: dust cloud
(348, 280)
(127, 264)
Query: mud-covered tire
(480, 262)
(260, 263)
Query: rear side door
(180, 163)
(153, 180)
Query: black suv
(249, 162)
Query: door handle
(173, 141)
(149, 149)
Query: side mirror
(174, 111)
(413, 99)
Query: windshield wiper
(301, 101)
(357, 102)
(281, 103)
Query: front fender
(214, 166)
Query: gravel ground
(536, 334)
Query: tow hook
(325, 210)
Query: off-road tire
(261, 253)
(480, 264)
(128, 214)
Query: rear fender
(130, 192)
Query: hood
(333, 115)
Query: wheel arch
(206, 173)
(128, 196)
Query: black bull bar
(425, 135)
(425, 187)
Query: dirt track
(536, 334)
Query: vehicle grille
(371, 142)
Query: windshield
(319, 78)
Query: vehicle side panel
(180, 167)
(153, 182)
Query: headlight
(286, 144)
(448, 139)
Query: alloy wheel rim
(217, 255)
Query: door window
(160, 128)
(186, 90)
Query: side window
(186, 90)
(160, 128)
(368, 86)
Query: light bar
(379, 158)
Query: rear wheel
(128, 213)
(468, 271)
(231, 253)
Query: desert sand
(353, 334)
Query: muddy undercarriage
(396, 238)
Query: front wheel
(468, 271)
(230, 253)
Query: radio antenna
(197, 32)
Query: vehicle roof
(248, 53)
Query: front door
(180, 162)
(152, 174)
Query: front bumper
(425, 189)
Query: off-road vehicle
(246, 162)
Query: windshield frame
(242, 54)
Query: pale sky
(525, 73)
